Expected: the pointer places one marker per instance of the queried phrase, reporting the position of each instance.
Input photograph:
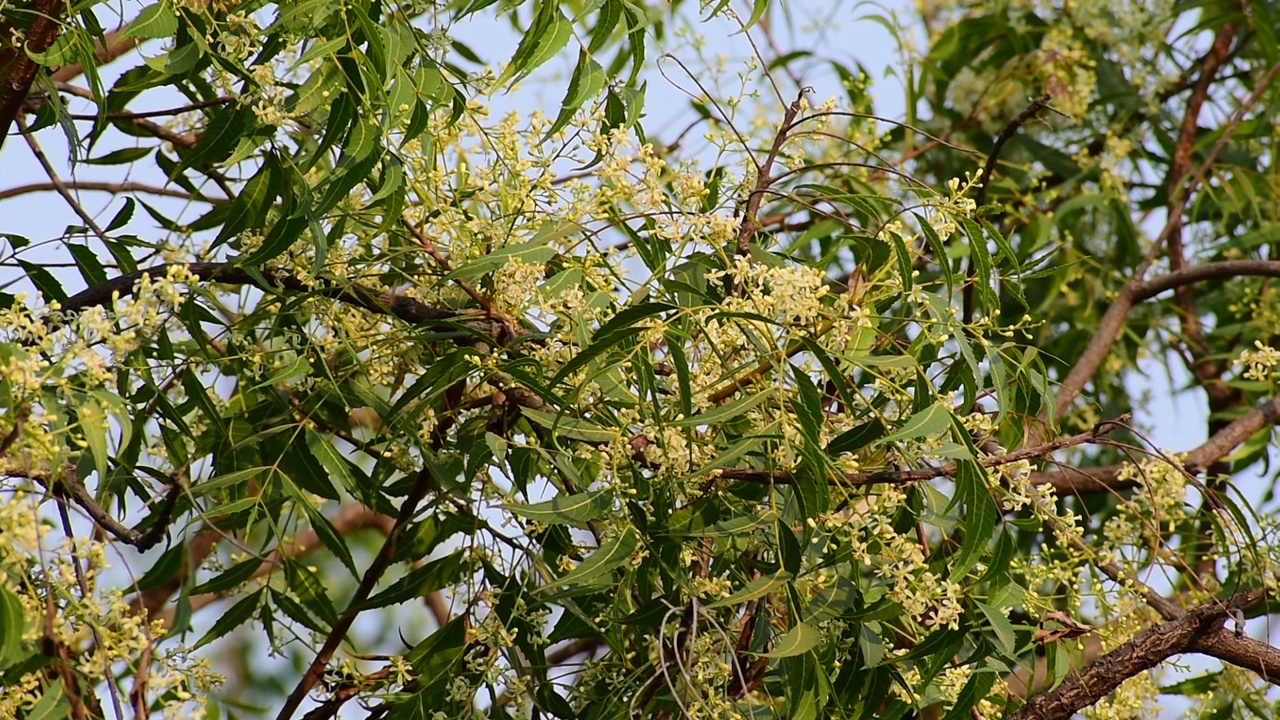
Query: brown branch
(1199, 273)
(747, 230)
(1143, 652)
(17, 70)
(1241, 651)
(408, 508)
(346, 690)
(1083, 481)
(1179, 165)
(189, 107)
(1222, 443)
(70, 485)
(484, 301)
(113, 188)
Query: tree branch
(19, 70)
(1113, 320)
(408, 508)
(1103, 478)
(1143, 652)
(384, 303)
(747, 230)
(113, 188)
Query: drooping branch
(69, 485)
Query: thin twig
(57, 181)
(984, 187)
(747, 230)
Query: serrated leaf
(728, 411)
(587, 80)
(569, 426)
(548, 35)
(232, 618)
(433, 576)
(321, 49)
(157, 20)
(1006, 638)
(613, 331)
(230, 578)
(979, 518)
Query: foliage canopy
(749, 403)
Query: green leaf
(569, 426)
(1006, 638)
(157, 20)
(550, 32)
(321, 49)
(232, 618)
(433, 576)
(12, 624)
(975, 690)
(979, 517)
(53, 705)
(611, 555)
(330, 536)
(93, 425)
(741, 525)
(332, 461)
(801, 638)
(437, 653)
(757, 588)
(122, 156)
(587, 80)
(932, 420)
(232, 577)
(531, 252)
(722, 414)
(612, 332)
(567, 509)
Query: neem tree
(368, 398)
